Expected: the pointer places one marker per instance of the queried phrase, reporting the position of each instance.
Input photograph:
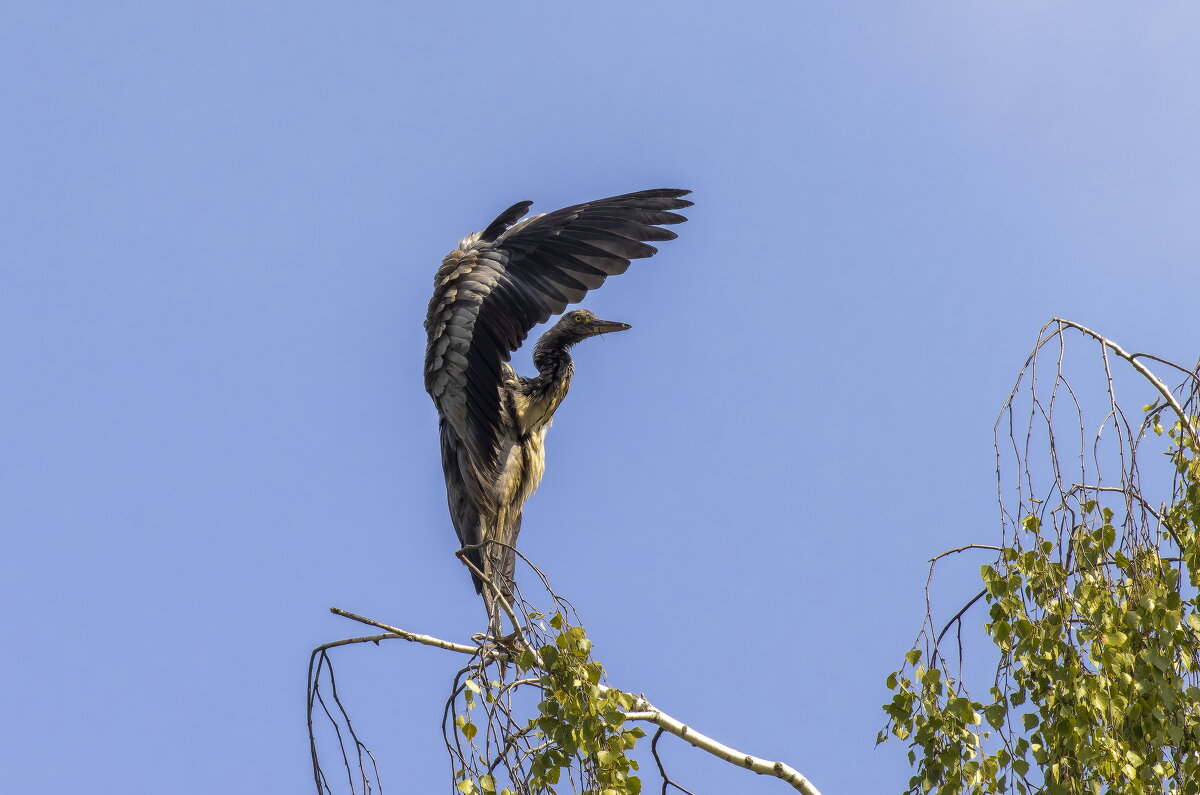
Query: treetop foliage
(1093, 612)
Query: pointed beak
(607, 326)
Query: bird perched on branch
(489, 292)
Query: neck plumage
(555, 369)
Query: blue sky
(218, 228)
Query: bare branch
(958, 616)
(662, 769)
(404, 634)
(964, 548)
(644, 710)
(1149, 376)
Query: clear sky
(219, 223)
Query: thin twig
(959, 615)
(662, 770)
(964, 548)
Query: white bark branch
(642, 710)
(404, 634)
(1184, 419)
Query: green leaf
(613, 717)
(466, 787)
(913, 656)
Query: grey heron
(488, 293)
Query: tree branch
(404, 634)
(1184, 419)
(964, 548)
(959, 615)
(662, 769)
(642, 710)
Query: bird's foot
(510, 644)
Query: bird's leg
(495, 624)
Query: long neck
(555, 369)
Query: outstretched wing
(501, 282)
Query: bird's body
(488, 294)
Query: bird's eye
(580, 318)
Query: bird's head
(579, 324)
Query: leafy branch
(578, 735)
